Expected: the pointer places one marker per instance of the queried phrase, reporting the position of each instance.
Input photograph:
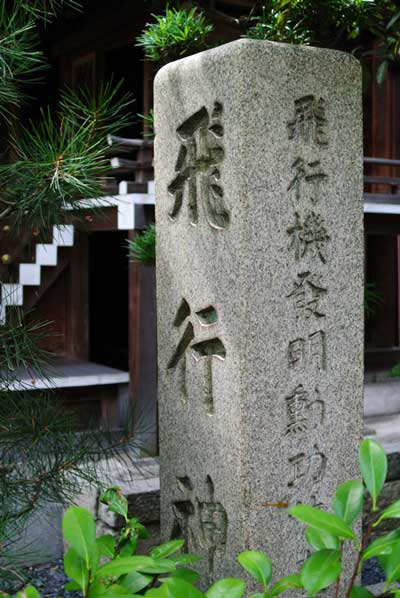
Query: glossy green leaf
(116, 501)
(390, 563)
(76, 569)
(135, 581)
(320, 570)
(106, 545)
(187, 574)
(140, 529)
(117, 591)
(373, 466)
(126, 564)
(286, 583)
(72, 586)
(79, 530)
(349, 500)
(167, 549)
(326, 522)
(28, 592)
(179, 588)
(382, 545)
(320, 540)
(227, 588)
(392, 512)
(185, 559)
(359, 592)
(257, 564)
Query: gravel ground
(49, 579)
(371, 573)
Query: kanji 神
(197, 167)
(307, 293)
(309, 121)
(203, 524)
(309, 237)
(207, 349)
(308, 174)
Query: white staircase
(130, 216)
(30, 274)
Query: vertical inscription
(309, 242)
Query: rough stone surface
(258, 159)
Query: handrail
(381, 161)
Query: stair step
(29, 274)
(63, 235)
(46, 254)
(10, 294)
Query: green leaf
(116, 591)
(392, 512)
(185, 559)
(381, 71)
(383, 545)
(106, 545)
(187, 574)
(116, 501)
(179, 588)
(76, 569)
(349, 500)
(359, 592)
(286, 583)
(390, 563)
(373, 466)
(167, 549)
(126, 564)
(320, 570)
(326, 522)
(257, 564)
(80, 532)
(227, 588)
(72, 586)
(135, 581)
(28, 592)
(320, 540)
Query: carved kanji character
(197, 168)
(306, 175)
(309, 121)
(309, 237)
(306, 294)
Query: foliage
(148, 121)
(343, 24)
(143, 247)
(62, 158)
(372, 299)
(395, 371)
(177, 33)
(164, 575)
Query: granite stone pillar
(258, 161)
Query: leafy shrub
(177, 33)
(143, 247)
(163, 574)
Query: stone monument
(258, 159)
